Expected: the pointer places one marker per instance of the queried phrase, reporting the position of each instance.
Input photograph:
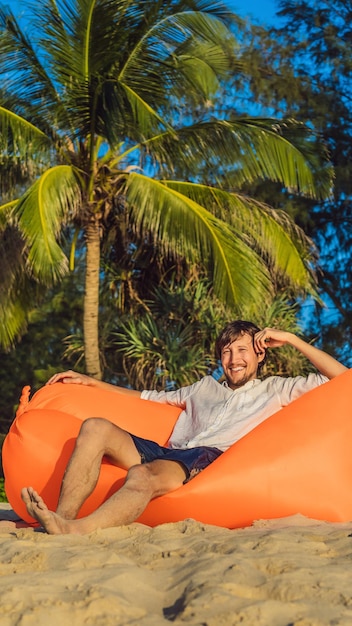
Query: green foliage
(93, 88)
(171, 344)
(304, 69)
(40, 353)
(3, 497)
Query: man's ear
(260, 356)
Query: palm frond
(5, 211)
(167, 53)
(181, 224)
(125, 110)
(41, 213)
(14, 316)
(245, 150)
(215, 8)
(170, 56)
(24, 72)
(24, 149)
(286, 249)
(13, 293)
(19, 135)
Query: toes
(25, 494)
(41, 504)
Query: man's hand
(270, 338)
(72, 377)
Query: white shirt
(215, 415)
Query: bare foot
(36, 507)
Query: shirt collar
(248, 385)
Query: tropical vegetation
(302, 67)
(109, 136)
(3, 497)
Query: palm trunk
(91, 300)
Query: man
(214, 416)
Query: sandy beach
(287, 572)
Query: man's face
(240, 361)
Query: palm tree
(87, 109)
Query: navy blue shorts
(193, 460)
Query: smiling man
(214, 416)
(240, 362)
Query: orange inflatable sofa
(297, 461)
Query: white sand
(287, 572)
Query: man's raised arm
(274, 338)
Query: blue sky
(258, 10)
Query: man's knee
(96, 428)
(140, 474)
(156, 478)
(139, 478)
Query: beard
(239, 380)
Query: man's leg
(143, 483)
(97, 438)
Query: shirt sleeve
(175, 398)
(290, 389)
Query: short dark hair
(231, 331)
